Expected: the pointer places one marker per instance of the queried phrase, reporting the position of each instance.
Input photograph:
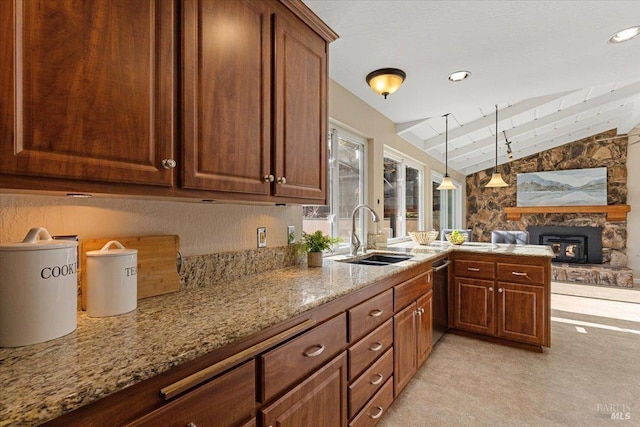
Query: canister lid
(38, 239)
(106, 251)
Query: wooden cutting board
(157, 273)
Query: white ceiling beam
(581, 108)
(489, 120)
(543, 146)
(412, 139)
(633, 122)
(403, 128)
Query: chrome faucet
(355, 241)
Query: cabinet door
(224, 401)
(474, 305)
(300, 110)
(404, 347)
(425, 327)
(319, 401)
(226, 86)
(521, 313)
(88, 89)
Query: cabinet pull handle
(500, 290)
(473, 269)
(268, 178)
(376, 347)
(318, 352)
(490, 288)
(379, 414)
(282, 180)
(174, 389)
(168, 163)
(518, 273)
(375, 313)
(378, 380)
(191, 424)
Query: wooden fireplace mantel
(614, 212)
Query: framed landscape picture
(573, 187)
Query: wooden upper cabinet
(300, 110)
(88, 89)
(226, 86)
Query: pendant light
(446, 183)
(386, 80)
(496, 178)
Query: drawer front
(409, 291)
(520, 273)
(369, 348)
(376, 408)
(287, 364)
(367, 316)
(370, 382)
(479, 269)
(224, 401)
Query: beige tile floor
(591, 371)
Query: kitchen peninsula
(123, 361)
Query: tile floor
(591, 371)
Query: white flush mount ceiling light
(386, 80)
(458, 76)
(625, 35)
(446, 183)
(496, 178)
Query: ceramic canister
(38, 289)
(112, 280)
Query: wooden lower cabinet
(228, 400)
(521, 313)
(319, 401)
(474, 305)
(405, 336)
(376, 408)
(424, 337)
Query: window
(403, 194)
(346, 189)
(446, 205)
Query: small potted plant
(313, 244)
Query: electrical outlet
(262, 237)
(291, 234)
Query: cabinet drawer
(367, 316)
(409, 291)
(520, 273)
(285, 365)
(369, 382)
(369, 348)
(480, 269)
(225, 401)
(376, 407)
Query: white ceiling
(546, 64)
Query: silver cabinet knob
(500, 290)
(281, 180)
(268, 178)
(490, 288)
(168, 163)
(191, 424)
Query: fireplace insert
(571, 244)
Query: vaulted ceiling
(547, 65)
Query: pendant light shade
(386, 80)
(496, 178)
(446, 183)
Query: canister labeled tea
(112, 280)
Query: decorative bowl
(456, 239)
(423, 237)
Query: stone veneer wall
(485, 206)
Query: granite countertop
(104, 355)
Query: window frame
(437, 177)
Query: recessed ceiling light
(625, 35)
(459, 76)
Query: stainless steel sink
(377, 259)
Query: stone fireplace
(486, 210)
(571, 244)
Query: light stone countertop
(103, 355)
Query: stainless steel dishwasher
(440, 298)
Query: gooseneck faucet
(355, 241)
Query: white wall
(203, 228)
(355, 115)
(633, 199)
